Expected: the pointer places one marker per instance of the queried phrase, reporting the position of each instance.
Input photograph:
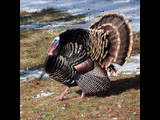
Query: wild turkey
(83, 56)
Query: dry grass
(47, 15)
(136, 43)
(122, 101)
(34, 47)
(22, 12)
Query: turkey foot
(81, 97)
(60, 98)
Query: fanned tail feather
(119, 38)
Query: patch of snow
(21, 71)
(134, 112)
(27, 75)
(44, 94)
(62, 108)
(91, 9)
(138, 72)
(119, 106)
(129, 68)
(115, 118)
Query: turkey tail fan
(113, 18)
(119, 38)
(126, 43)
(113, 44)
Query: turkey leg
(81, 97)
(60, 98)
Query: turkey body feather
(82, 53)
